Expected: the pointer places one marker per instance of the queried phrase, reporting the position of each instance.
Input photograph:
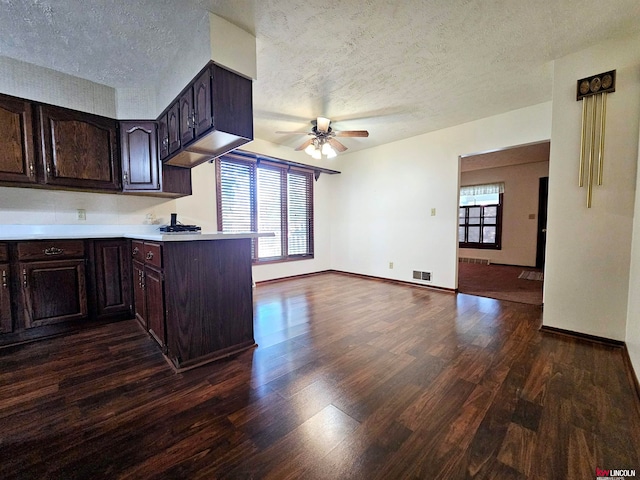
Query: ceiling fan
(323, 140)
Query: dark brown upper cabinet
(173, 128)
(216, 116)
(139, 155)
(163, 137)
(142, 171)
(17, 161)
(79, 150)
(187, 117)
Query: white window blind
(300, 213)
(236, 197)
(482, 189)
(267, 198)
(270, 212)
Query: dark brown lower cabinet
(6, 323)
(112, 278)
(154, 293)
(53, 291)
(149, 288)
(208, 300)
(139, 297)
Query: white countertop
(138, 232)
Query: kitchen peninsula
(191, 292)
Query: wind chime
(593, 93)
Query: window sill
(282, 260)
(480, 246)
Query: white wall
(200, 209)
(44, 85)
(36, 206)
(633, 314)
(32, 206)
(520, 199)
(385, 194)
(589, 250)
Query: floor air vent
(418, 275)
(482, 261)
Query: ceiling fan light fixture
(326, 149)
(322, 124)
(332, 154)
(317, 154)
(310, 149)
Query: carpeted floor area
(502, 282)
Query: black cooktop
(179, 228)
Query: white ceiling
(397, 69)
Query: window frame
(497, 245)
(284, 170)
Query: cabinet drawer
(4, 253)
(137, 250)
(153, 254)
(50, 249)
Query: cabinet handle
(31, 169)
(53, 251)
(126, 178)
(165, 142)
(24, 277)
(135, 251)
(4, 279)
(149, 256)
(142, 284)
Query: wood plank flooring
(353, 378)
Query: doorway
(513, 271)
(543, 201)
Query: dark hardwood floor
(353, 378)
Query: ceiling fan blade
(293, 133)
(352, 133)
(305, 144)
(322, 124)
(336, 145)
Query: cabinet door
(154, 287)
(186, 116)
(78, 149)
(173, 128)
(140, 304)
(113, 278)
(163, 137)
(17, 163)
(6, 324)
(139, 156)
(53, 291)
(202, 103)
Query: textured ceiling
(397, 69)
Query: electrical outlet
(433, 212)
(82, 214)
(391, 265)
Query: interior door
(543, 193)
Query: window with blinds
(480, 219)
(267, 198)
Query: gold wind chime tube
(594, 122)
(592, 150)
(603, 121)
(583, 136)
